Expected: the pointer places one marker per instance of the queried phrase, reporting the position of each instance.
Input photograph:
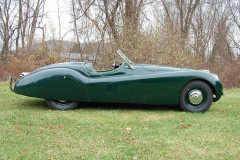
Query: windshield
(124, 58)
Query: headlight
(206, 71)
(23, 74)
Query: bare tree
(36, 15)
(19, 19)
(30, 17)
(185, 11)
(202, 27)
(221, 47)
(131, 17)
(7, 25)
(96, 16)
(116, 17)
(19, 24)
(74, 17)
(25, 18)
(234, 7)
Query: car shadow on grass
(40, 104)
(126, 106)
(35, 103)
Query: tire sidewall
(57, 105)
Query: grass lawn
(30, 130)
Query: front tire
(196, 96)
(62, 105)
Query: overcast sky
(51, 20)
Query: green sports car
(66, 85)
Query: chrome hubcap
(195, 97)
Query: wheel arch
(205, 81)
(64, 87)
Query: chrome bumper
(11, 79)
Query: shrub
(14, 65)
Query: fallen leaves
(60, 143)
(183, 125)
(128, 129)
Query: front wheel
(61, 105)
(196, 96)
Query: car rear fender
(40, 83)
(70, 87)
(64, 88)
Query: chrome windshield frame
(125, 58)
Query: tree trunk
(19, 25)
(33, 24)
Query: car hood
(157, 68)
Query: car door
(153, 87)
(113, 87)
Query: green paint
(148, 84)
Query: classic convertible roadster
(65, 85)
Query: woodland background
(198, 34)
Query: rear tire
(61, 105)
(196, 96)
